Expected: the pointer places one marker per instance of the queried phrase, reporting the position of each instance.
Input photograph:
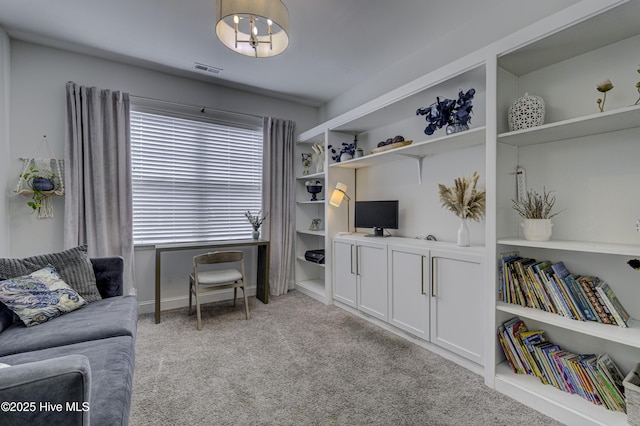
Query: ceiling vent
(206, 68)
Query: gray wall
(37, 104)
(5, 61)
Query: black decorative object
(448, 112)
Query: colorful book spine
(619, 313)
(595, 378)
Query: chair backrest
(218, 257)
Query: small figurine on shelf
(315, 224)
(318, 149)
(306, 163)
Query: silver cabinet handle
(351, 258)
(422, 274)
(433, 281)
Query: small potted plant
(42, 183)
(536, 210)
(256, 222)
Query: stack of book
(595, 378)
(551, 287)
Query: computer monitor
(377, 215)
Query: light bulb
(269, 22)
(236, 19)
(255, 30)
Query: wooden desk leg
(158, 256)
(262, 280)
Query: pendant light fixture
(257, 28)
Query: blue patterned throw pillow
(39, 296)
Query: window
(193, 180)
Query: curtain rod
(201, 108)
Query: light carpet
(300, 362)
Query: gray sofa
(76, 369)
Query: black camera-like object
(315, 256)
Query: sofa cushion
(112, 364)
(73, 265)
(115, 316)
(39, 296)
(6, 317)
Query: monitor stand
(377, 232)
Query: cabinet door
(372, 279)
(457, 312)
(409, 290)
(344, 272)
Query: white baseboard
(148, 306)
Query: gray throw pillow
(73, 265)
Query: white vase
(527, 111)
(345, 156)
(463, 234)
(536, 229)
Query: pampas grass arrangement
(463, 198)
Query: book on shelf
(551, 287)
(596, 378)
(615, 307)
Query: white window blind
(193, 180)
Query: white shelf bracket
(418, 158)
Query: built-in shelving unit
(584, 157)
(588, 158)
(309, 276)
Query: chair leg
(235, 295)
(199, 315)
(246, 302)
(190, 294)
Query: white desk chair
(207, 281)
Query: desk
(262, 291)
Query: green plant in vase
(42, 183)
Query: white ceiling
(335, 44)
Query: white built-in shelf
(419, 149)
(311, 176)
(302, 259)
(579, 246)
(308, 232)
(627, 336)
(593, 124)
(531, 389)
(310, 202)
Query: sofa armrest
(53, 391)
(109, 272)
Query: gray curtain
(278, 200)
(98, 203)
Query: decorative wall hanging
(41, 178)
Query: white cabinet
(371, 268)
(431, 290)
(360, 275)
(344, 272)
(457, 312)
(409, 272)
